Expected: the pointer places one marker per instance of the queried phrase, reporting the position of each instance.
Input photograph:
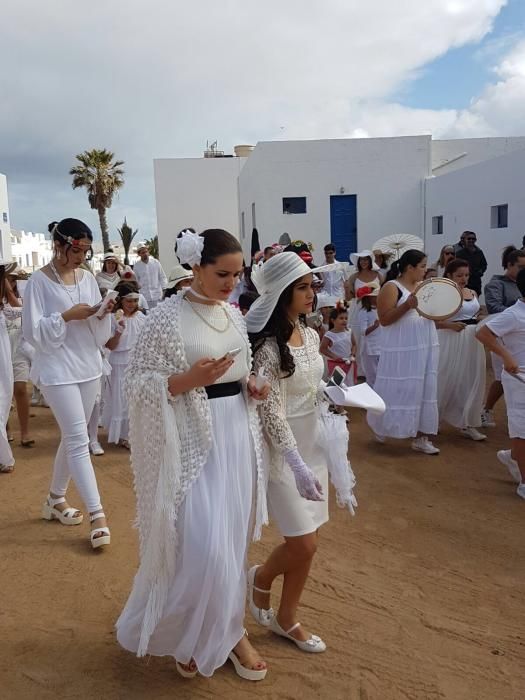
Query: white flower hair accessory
(189, 248)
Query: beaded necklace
(61, 282)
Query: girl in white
(407, 370)
(126, 324)
(7, 461)
(196, 452)
(370, 331)
(338, 344)
(60, 302)
(462, 363)
(109, 276)
(509, 327)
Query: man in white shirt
(150, 276)
(334, 282)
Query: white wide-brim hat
(110, 256)
(178, 274)
(325, 300)
(271, 279)
(354, 257)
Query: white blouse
(128, 338)
(65, 353)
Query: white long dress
(115, 411)
(6, 393)
(407, 376)
(461, 373)
(291, 421)
(204, 610)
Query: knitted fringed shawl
(170, 441)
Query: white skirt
(293, 514)
(115, 409)
(6, 393)
(203, 617)
(461, 377)
(514, 392)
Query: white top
(65, 353)
(509, 326)
(200, 340)
(302, 386)
(107, 281)
(151, 278)
(469, 308)
(128, 337)
(341, 343)
(371, 341)
(334, 282)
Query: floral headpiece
(189, 248)
(73, 242)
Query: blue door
(343, 224)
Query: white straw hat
(271, 279)
(178, 274)
(354, 257)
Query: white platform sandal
(313, 645)
(68, 516)
(249, 674)
(260, 615)
(103, 540)
(184, 672)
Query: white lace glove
(308, 486)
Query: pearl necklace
(205, 320)
(61, 282)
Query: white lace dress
(407, 376)
(461, 374)
(291, 420)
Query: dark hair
(246, 299)
(281, 328)
(370, 261)
(217, 242)
(335, 313)
(123, 288)
(520, 281)
(410, 258)
(329, 247)
(511, 255)
(366, 303)
(455, 265)
(112, 260)
(72, 229)
(268, 249)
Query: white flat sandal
(249, 674)
(260, 615)
(97, 542)
(66, 516)
(313, 645)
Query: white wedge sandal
(103, 540)
(313, 645)
(260, 615)
(68, 516)
(248, 674)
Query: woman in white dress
(407, 370)
(126, 324)
(462, 363)
(7, 461)
(287, 352)
(365, 276)
(59, 321)
(196, 452)
(109, 276)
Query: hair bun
(52, 226)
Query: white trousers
(72, 406)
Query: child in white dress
(370, 332)
(338, 344)
(126, 324)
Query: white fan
(398, 243)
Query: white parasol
(398, 243)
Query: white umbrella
(398, 243)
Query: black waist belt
(470, 321)
(218, 391)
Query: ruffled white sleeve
(272, 410)
(44, 332)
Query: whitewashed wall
(197, 192)
(387, 175)
(5, 224)
(454, 154)
(464, 199)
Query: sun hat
(12, 270)
(110, 256)
(354, 257)
(325, 300)
(141, 246)
(271, 279)
(178, 274)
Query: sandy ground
(418, 597)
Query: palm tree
(102, 177)
(127, 234)
(153, 246)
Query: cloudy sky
(157, 79)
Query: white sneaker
(473, 434)
(487, 418)
(423, 444)
(521, 490)
(505, 458)
(96, 449)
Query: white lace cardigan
(170, 441)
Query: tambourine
(438, 298)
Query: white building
(351, 192)
(31, 250)
(5, 229)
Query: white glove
(308, 486)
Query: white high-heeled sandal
(105, 539)
(249, 674)
(66, 516)
(313, 645)
(260, 615)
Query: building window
(5, 217)
(294, 205)
(243, 229)
(499, 216)
(437, 225)
(254, 222)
